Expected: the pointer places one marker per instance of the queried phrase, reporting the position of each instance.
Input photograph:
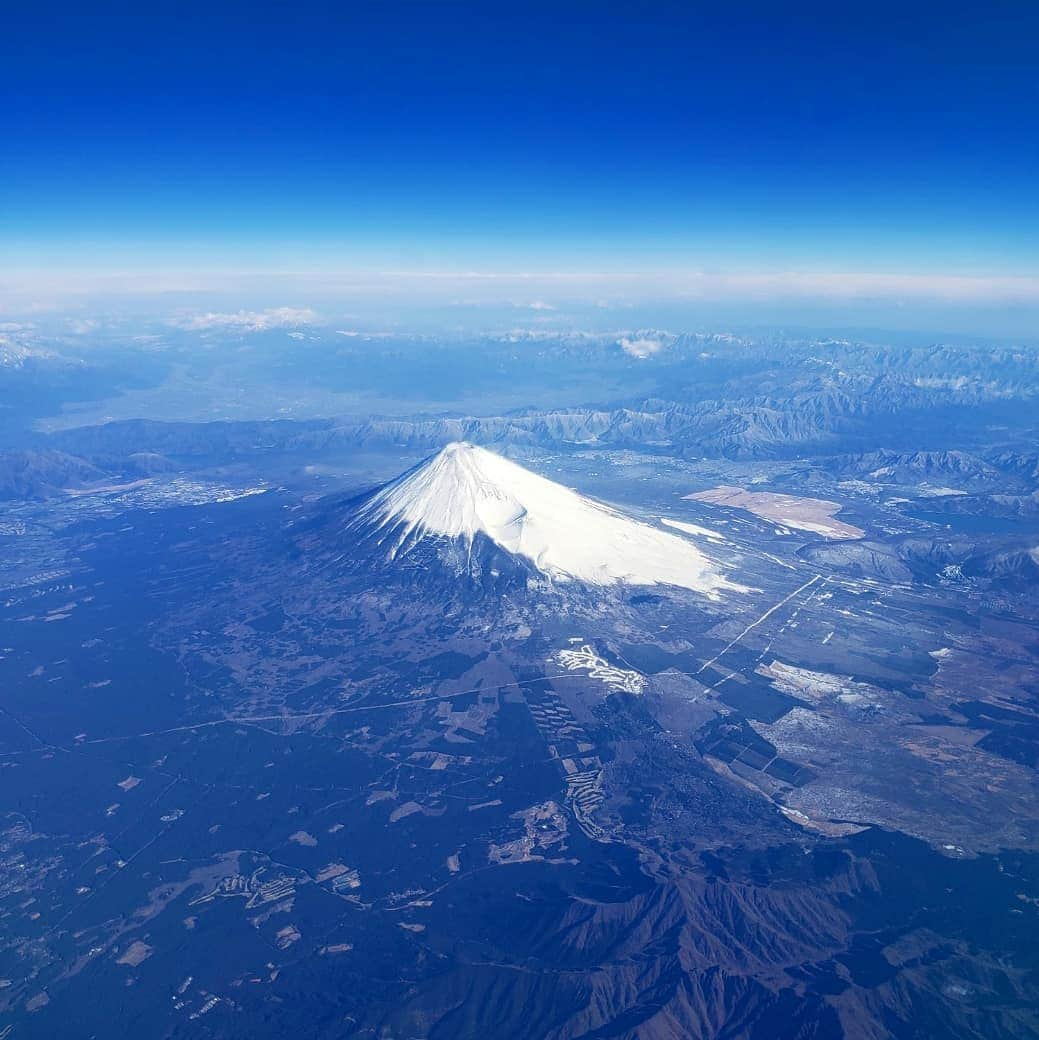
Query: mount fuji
(465, 494)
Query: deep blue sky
(858, 137)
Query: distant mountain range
(798, 426)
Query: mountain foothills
(689, 694)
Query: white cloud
(540, 305)
(851, 285)
(249, 321)
(642, 347)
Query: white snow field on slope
(465, 490)
(693, 529)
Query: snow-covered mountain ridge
(465, 491)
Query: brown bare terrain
(805, 514)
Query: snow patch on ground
(586, 659)
(693, 529)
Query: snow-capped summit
(465, 491)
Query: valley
(301, 792)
